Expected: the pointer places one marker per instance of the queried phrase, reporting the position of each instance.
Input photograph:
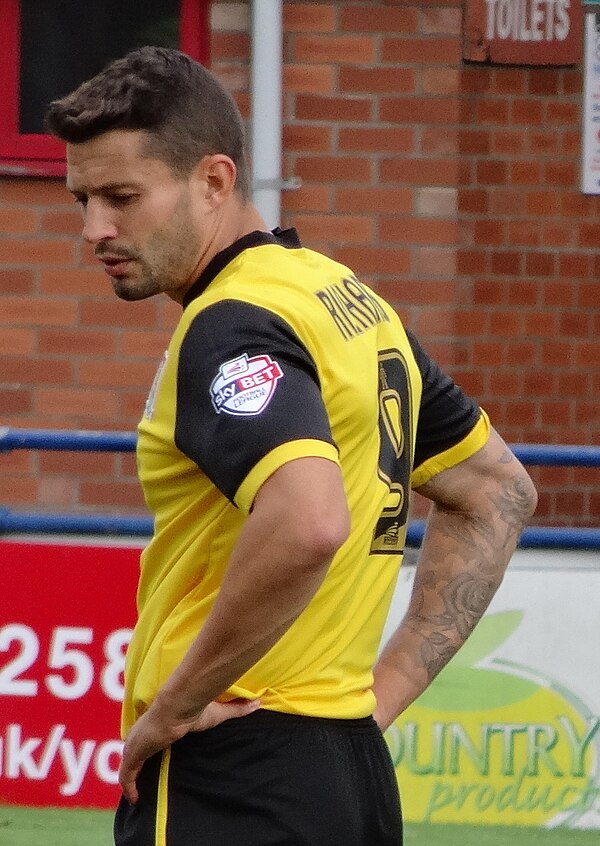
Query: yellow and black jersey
(282, 353)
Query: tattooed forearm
(512, 507)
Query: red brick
(492, 111)
(331, 169)
(34, 192)
(338, 109)
(77, 343)
(557, 234)
(526, 111)
(506, 263)
(440, 141)
(543, 203)
(520, 232)
(471, 262)
(540, 264)
(365, 259)
(16, 281)
(374, 200)
(509, 80)
(63, 223)
(18, 461)
(15, 400)
(476, 79)
(108, 494)
(419, 171)
(489, 292)
(587, 413)
(348, 49)
(587, 354)
(434, 261)
(144, 344)
(17, 491)
(229, 45)
(75, 282)
(523, 292)
(19, 342)
(76, 402)
(471, 322)
(525, 173)
(74, 464)
(574, 265)
(41, 371)
(506, 323)
(474, 141)
(522, 353)
(16, 220)
(417, 230)
(561, 173)
(559, 293)
(377, 80)
(444, 81)
(492, 172)
(376, 140)
(521, 413)
(43, 311)
(555, 412)
(426, 110)
(557, 112)
(365, 19)
(542, 143)
(117, 374)
(343, 229)
(539, 384)
(474, 201)
(574, 383)
(427, 51)
(575, 205)
(309, 198)
(316, 139)
(507, 143)
(96, 312)
(308, 79)
(588, 294)
(542, 323)
(589, 235)
(308, 17)
(557, 353)
(505, 384)
(507, 201)
(132, 406)
(36, 251)
(434, 322)
(575, 324)
(490, 231)
(440, 21)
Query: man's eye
(122, 199)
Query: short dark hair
(183, 108)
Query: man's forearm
(462, 562)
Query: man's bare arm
(479, 509)
(299, 520)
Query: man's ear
(216, 175)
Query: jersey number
(395, 425)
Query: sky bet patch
(244, 386)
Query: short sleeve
(450, 427)
(247, 390)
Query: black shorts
(268, 779)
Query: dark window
(53, 45)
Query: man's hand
(157, 729)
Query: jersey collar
(283, 237)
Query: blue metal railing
(91, 441)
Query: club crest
(244, 386)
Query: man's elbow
(321, 536)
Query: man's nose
(97, 224)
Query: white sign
(590, 182)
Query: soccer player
(289, 419)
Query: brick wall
(452, 188)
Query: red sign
(66, 620)
(523, 32)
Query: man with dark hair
(288, 420)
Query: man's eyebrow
(107, 188)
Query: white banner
(509, 733)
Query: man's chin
(129, 291)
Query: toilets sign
(523, 32)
